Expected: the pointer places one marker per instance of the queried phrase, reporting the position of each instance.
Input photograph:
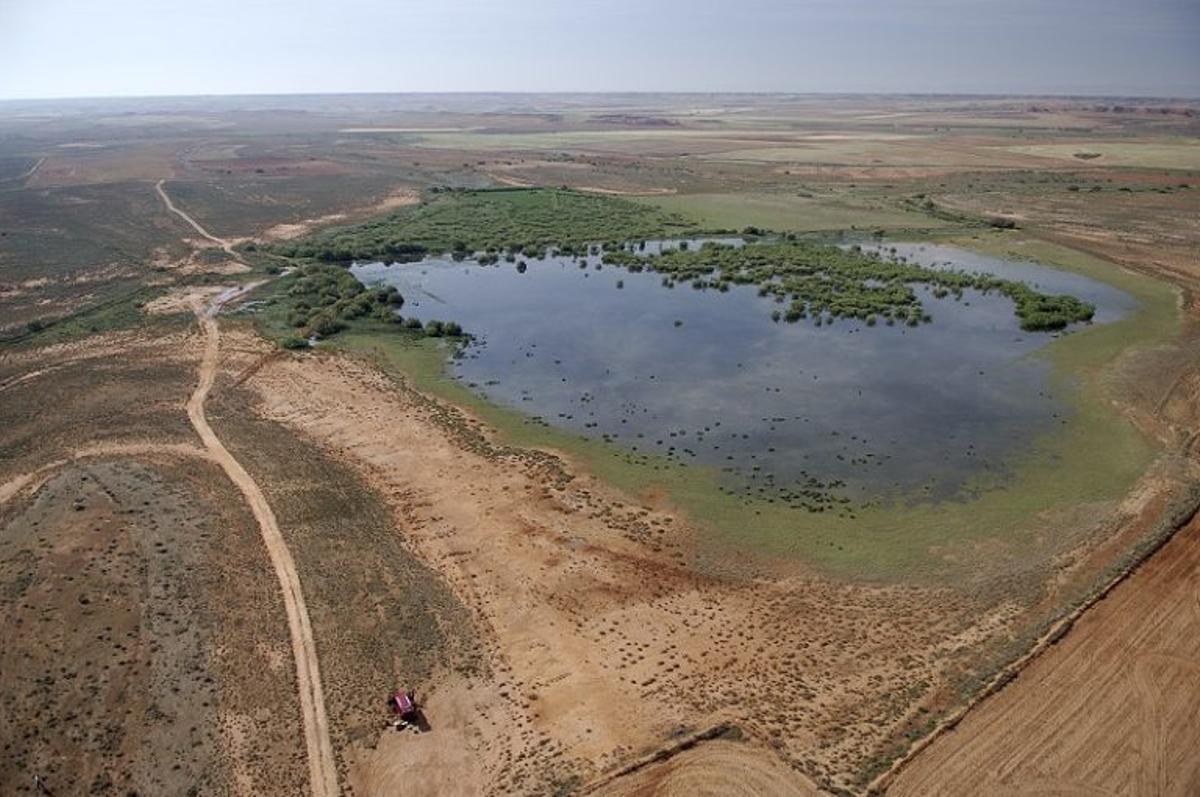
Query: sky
(90, 48)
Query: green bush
(325, 325)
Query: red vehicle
(404, 706)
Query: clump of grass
(294, 342)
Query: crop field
(1051, 715)
(659, 443)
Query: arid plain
(219, 555)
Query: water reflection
(785, 410)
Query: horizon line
(613, 92)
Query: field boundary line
(665, 753)
(1057, 632)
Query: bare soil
(1114, 708)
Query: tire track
(195, 225)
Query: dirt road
(1112, 709)
(221, 242)
(30, 172)
(321, 762)
(322, 767)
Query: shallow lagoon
(708, 378)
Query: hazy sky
(74, 48)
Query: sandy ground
(1113, 709)
(288, 231)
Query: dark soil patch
(146, 623)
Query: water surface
(708, 378)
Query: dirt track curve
(321, 763)
(195, 225)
